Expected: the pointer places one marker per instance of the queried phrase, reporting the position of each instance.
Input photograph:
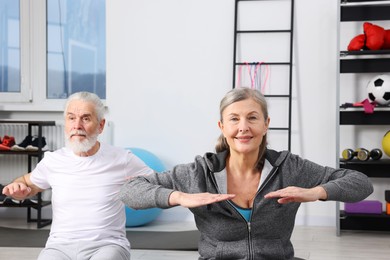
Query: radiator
(14, 165)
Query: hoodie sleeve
(149, 191)
(347, 186)
(153, 190)
(343, 185)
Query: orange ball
(386, 143)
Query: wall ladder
(242, 11)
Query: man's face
(81, 126)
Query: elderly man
(85, 177)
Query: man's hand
(296, 194)
(189, 200)
(17, 190)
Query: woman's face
(243, 125)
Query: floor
(311, 243)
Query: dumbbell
(348, 154)
(364, 155)
(387, 198)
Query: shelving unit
(360, 62)
(288, 62)
(38, 154)
(374, 169)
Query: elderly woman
(245, 196)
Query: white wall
(315, 88)
(170, 62)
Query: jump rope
(256, 72)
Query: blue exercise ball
(149, 159)
(136, 218)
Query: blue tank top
(246, 213)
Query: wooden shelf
(359, 117)
(359, 221)
(32, 153)
(27, 203)
(24, 204)
(362, 13)
(376, 169)
(28, 122)
(364, 65)
(364, 52)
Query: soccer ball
(378, 89)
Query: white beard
(83, 146)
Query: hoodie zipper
(249, 239)
(248, 223)
(269, 177)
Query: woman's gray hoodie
(225, 234)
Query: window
(9, 46)
(50, 49)
(10, 53)
(75, 47)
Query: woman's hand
(190, 200)
(297, 194)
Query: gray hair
(236, 95)
(88, 97)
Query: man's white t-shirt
(85, 191)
